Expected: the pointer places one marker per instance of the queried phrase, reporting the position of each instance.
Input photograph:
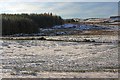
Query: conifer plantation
(28, 23)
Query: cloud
(83, 10)
(16, 7)
(59, 1)
(64, 9)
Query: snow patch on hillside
(80, 27)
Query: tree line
(28, 23)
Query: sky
(71, 9)
(59, 0)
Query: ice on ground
(31, 57)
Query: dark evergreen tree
(28, 23)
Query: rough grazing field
(58, 59)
